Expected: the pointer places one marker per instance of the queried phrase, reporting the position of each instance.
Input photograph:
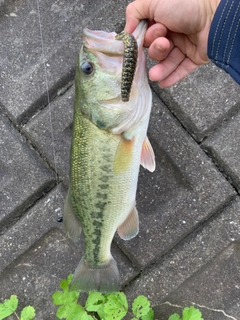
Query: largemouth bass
(109, 143)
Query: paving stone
(202, 100)
(40, 51)
(215, 289)
(24, 177)
(50, 131)
(110, 17)
(179, 195)
(223, 147)
(35, 223)
(34, 276)
(171, 270)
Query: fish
(109, 143)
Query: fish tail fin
(103, 278)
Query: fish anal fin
(71, 223)
(147, 156)
(130, 227)
(123, 155)
(103, 278)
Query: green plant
(9, 307)
(105, 306)
(108, 306)
(98, 306)
(188, 314)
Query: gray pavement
(188, 249)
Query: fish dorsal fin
(71, 223)
(147, 156)
(130, 227)
(123, 155)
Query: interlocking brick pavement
(205, 287)
(203, 100)
(187, 250)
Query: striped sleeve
(224, 38)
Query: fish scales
(90, 185)
(129, 63)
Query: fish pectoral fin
(130, 227)
(123, 155)
(147, 156)
(71, 223)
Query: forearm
(224, 38)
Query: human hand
(177, 35)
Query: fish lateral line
(129, 63)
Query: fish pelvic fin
(103, 278)
(147, 156)
(71, 223)
(123, 155)
(130, 226)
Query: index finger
(135, 12)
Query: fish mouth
(110, 52)
(105, 42)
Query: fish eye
(87, 68)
